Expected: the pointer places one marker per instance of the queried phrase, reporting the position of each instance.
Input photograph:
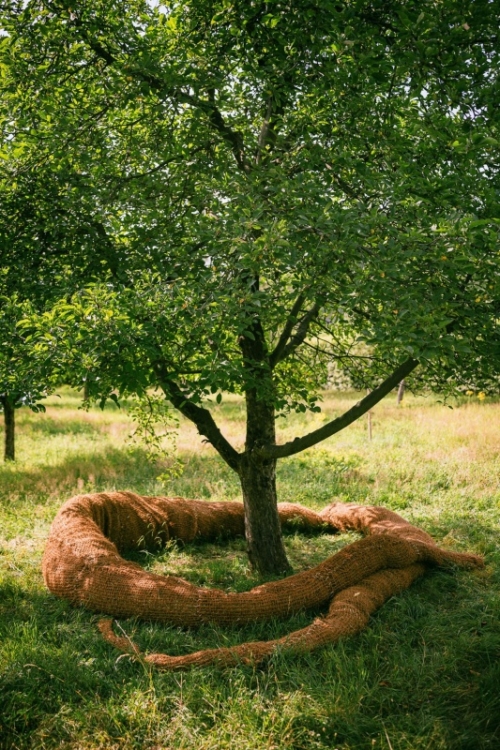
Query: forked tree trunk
(9, 427)
(256, 467)
(258, 481)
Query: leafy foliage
(155, 426)
(215, 162)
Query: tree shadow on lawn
(56, 660)
(47, 426)
(54, 657)
(96, 471)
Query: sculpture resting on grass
(83, 563)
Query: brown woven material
(83, 563)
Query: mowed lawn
(424, 675)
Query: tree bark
(256, 467)
(262, 527)
(9, 426)
(258, 474)
(258, 482)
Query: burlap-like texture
(83, 563)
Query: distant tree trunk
(86, 391)
(8, 405)
(401, 391)
(369, 416)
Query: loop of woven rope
(83, 564)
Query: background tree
(50, 244)
(22, 383)
(279, 185)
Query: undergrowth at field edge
(424, 676)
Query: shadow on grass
(56, 659)
(426, 658)
(112, 468)
(59, 664)
(117, 469)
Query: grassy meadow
(424, 676)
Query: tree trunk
(9, 426)
(262, 526)
(258, 481)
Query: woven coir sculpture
(82, 563)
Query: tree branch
(307, 441)
(197, 414)
(232, 137)
(301, 333)
(287, 331)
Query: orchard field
(424, 675)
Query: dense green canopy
(219, 164)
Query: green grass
(424, 676)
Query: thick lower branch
(350, 416)
(200, 416)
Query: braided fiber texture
(83, 564)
